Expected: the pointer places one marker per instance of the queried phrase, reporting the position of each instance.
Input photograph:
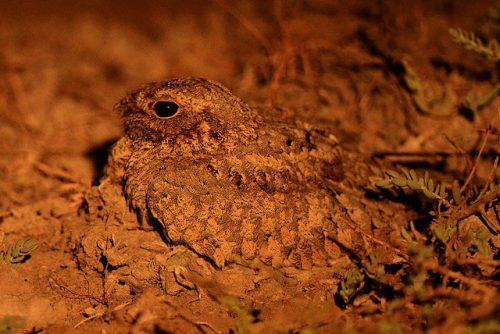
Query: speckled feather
(226, 180)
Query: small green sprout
(353, 282)
(18, 252)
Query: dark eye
(165, 109)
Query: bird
(229, 181)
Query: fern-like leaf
(471, 42)
(410, 180)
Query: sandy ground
(63, 65)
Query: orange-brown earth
(63, 65)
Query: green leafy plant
(352, 283)
(442, 104)
(477, 241)
(18, 252)
(474, 103)
(374, 267)
(448, 255)
(410, 180)
(427, 103)
(415, 247)
(471, 42)
(491, 51)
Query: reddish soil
(63, 65)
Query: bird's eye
(165, 109)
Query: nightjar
(229, 181)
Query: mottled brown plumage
(227, 180)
